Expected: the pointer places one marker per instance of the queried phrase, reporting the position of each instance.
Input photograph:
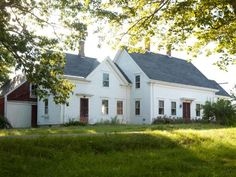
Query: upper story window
(105, 107)
(137, 81)
(33, 90)
(173, 108)
(105, 80)
(161, 107)
(198, 110)
(46, 106)
(137, 107)
(119, 107)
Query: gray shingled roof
(221, 92)
(79, 66)
(171, 69)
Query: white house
(135, 88)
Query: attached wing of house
(166, 86)
(174, 70)
(18, 103)
(99, 88)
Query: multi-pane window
(33, 89)
(105, 80)
(137, 107)
(161, 107)
(46, 106)
(198, 110)
(119, 107)
(105, 107)
(137, 81)
(173, 108)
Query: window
(173, 108)
(33, 89)
(198, 109)
(105, 107)
(46, 107)
(137, 107)
(161, 107)
(137, 81)
(119, 107)
(105, 80)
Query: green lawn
(157, 150)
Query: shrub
(4, 123)
(168, 120)
(175, 120)
(222, 112)
(74, 123)
(113, 121)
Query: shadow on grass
(140, 155)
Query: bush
(175, 120)
(74, 123)
(168, 120)
(113, 121)
(222, 112)
(4, 123)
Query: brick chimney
(81, 49)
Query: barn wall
(2, 106)
(21, 94)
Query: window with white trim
(137, 81)
(105, 80)
(33, 90)
(46, 106)
(137, 107)
(198, 110)
(119, 107)
(161, 107)
(173, 108)
(105, 109)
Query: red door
(186, 112)
(34, 116)
(84, 110)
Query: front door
(34, 115)
(186, 112)
(84, 110)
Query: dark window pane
(137, 81)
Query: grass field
(157, 150)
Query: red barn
(18, 102)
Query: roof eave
(182, 85)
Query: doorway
(84, 109)
(186, 112)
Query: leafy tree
(195, 26)
(32, 39)
(222, 111)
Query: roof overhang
(182, 85)
(77, 78)
(185, 99)
(83, 95)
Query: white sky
(204, 64)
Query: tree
(25, 45)
(189, 25)
(222, 111)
